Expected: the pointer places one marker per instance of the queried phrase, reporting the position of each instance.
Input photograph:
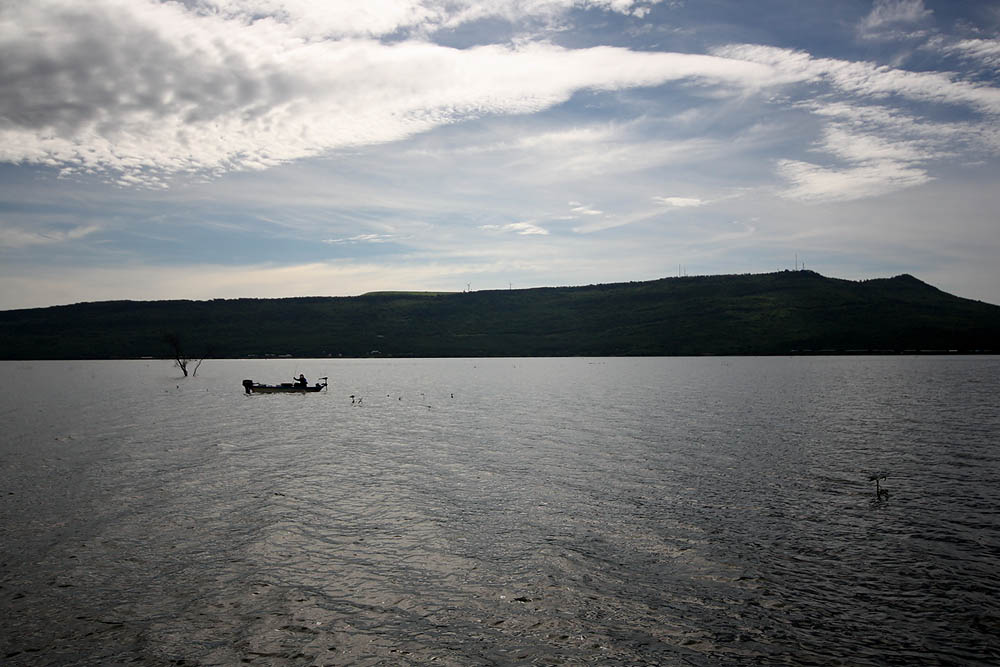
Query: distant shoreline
(804, 353)
(797, 313)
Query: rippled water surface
(502, 511)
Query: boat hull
(251, 387)
(284, 390)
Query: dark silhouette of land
(789, 312)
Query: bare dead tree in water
(182, 360)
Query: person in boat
(301, 380)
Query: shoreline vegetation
(782, 313)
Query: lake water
(502, 511)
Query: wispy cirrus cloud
(523, 228)
(984, 52)
(380, 18)
(360, 238)
(894, 19)
(680, 202)
(869, 80)
(812, 182)
(871, 148)
(19, 237)
(866, 164)
(577, 209)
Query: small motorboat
(251, 387)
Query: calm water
(505, 511)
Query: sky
(201, 149)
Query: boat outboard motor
(247, 384)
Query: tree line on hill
(778, 313)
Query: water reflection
(503, 512)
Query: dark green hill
(776, 313)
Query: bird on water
(876, 477)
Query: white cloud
(869, 164)
(17, 237)
(680, 202)
(876, 149)
(378, 18)
(360, 238)
(522, 228)
(932, 138)
(868, 80)
(985, 52)
(596, 151)
(894, 19)
(581, 209)
(145, 90)
(865, 147)
(811, 182)
(612, 221)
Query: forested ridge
(776, 313)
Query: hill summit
(775, 313)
